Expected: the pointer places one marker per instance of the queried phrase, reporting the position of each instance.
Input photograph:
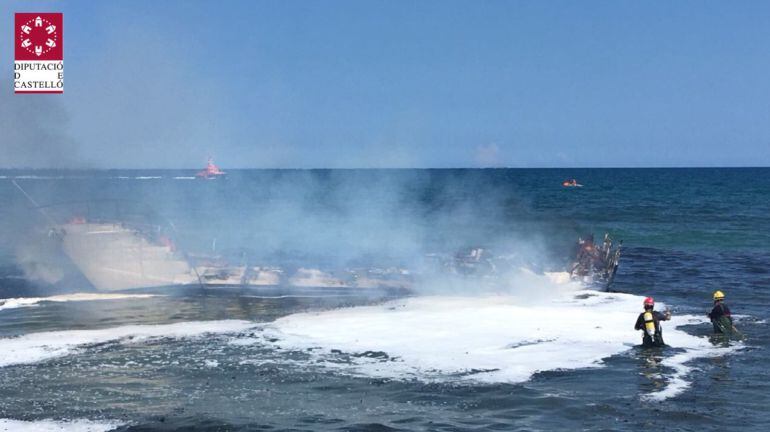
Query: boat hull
(113, 258)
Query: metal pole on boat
(34, 203)
(195, 270)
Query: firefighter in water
(720, 315)
(649, 323)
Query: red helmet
(649, 301)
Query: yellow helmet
(719, 295)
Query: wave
(13, 303)
(59, 425)
(37, 347)
(491, 339)
(81, 177)
(45, 177)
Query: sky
(396, 84)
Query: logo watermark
(39, 53)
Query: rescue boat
(211, 172)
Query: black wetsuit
(720, 311)
(648, 341)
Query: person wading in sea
(720, 315)
(649, 323)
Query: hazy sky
(397, 84)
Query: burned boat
(468, 261)
(120, 250)
(116, 256)
(595, 265)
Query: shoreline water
(684, 236)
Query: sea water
(522, 348)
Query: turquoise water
(686, 232)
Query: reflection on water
(248, 305)
(651, 369)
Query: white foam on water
(37, 347)
(58, 425)
(303, 296)
(184, 178)
(695, 347)
(36, 177)
(13, 303)
(148, 177)
(489, 339)
(45, 177)
(244, 341)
